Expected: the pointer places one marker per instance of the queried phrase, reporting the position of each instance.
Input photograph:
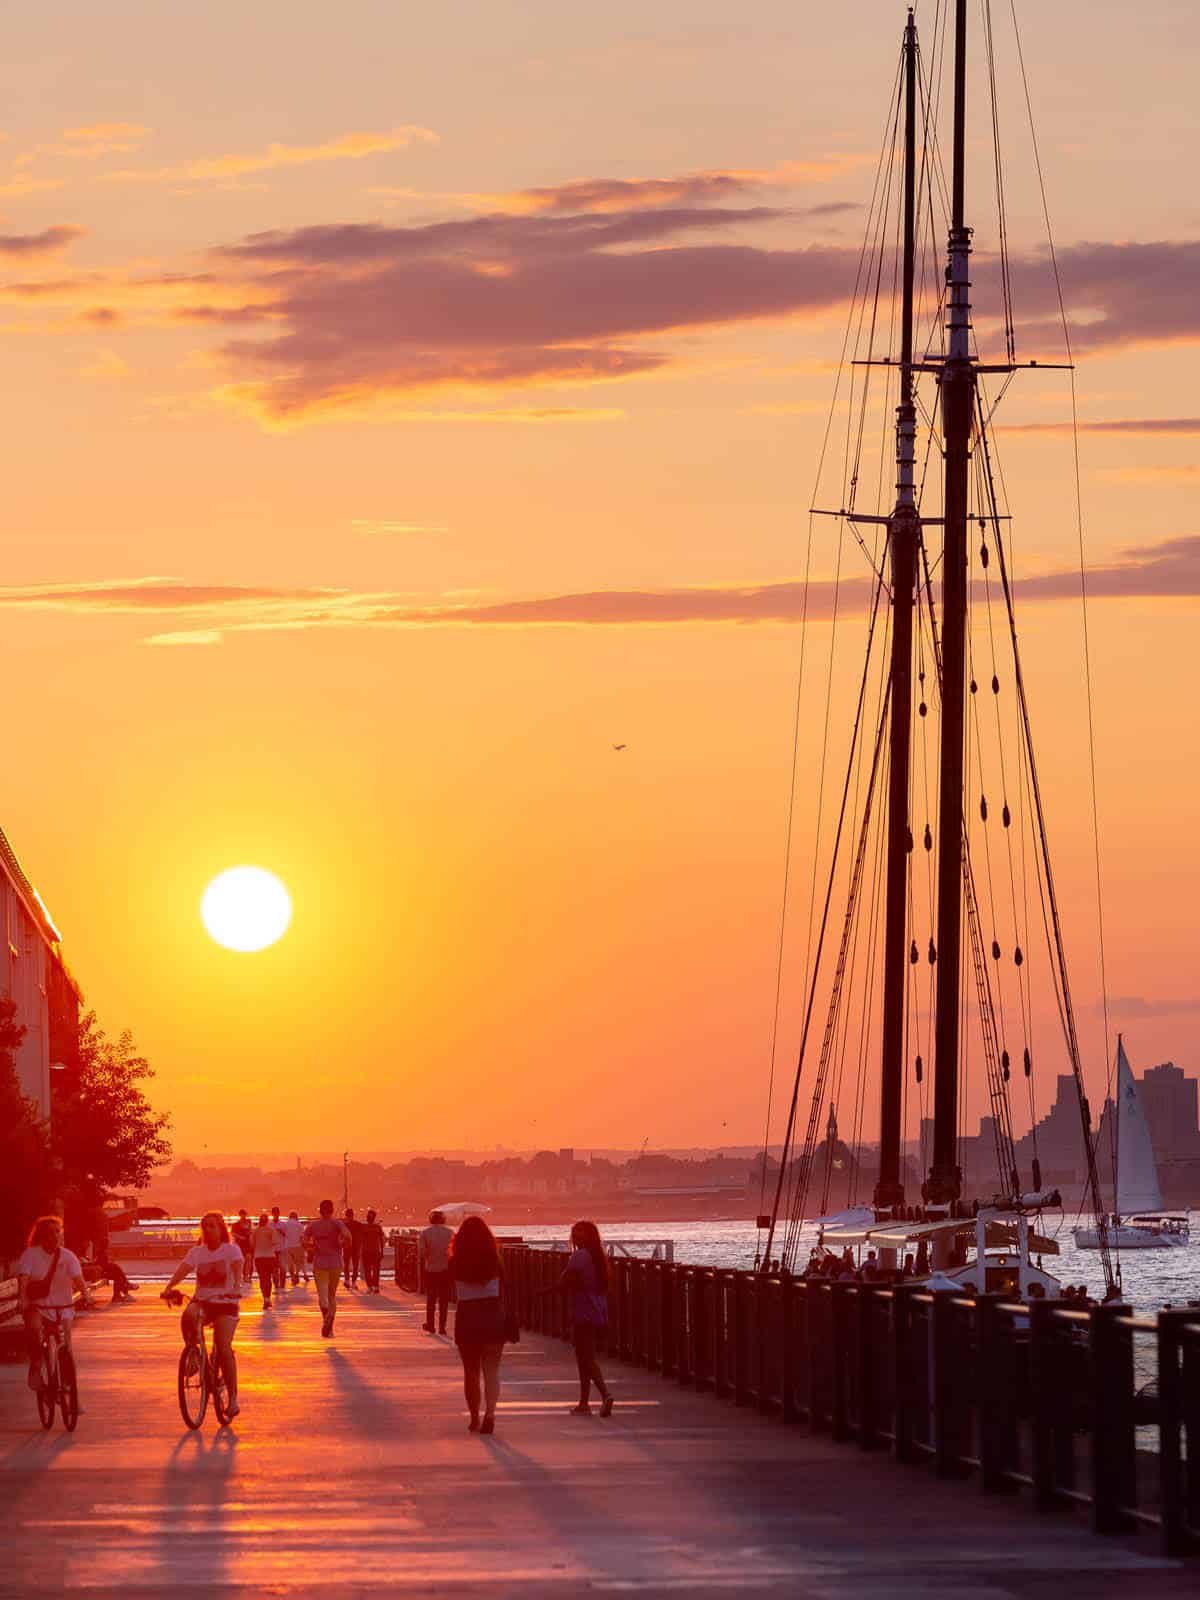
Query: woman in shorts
(479, 1317)
(217, 1263)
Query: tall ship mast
(933, 956)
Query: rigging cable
(1087, 654)
(864, 256)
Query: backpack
(39, 1288)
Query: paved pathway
(351, 1470)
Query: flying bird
(618, 747)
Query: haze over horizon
(392, 434)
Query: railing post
(789, 1307)
(1043, 1403)
(624, 1319)
(950, 1356)
(1114, 1437)
(668, 1311)
(840, 1357)
(1179, 1426)
(868, 1383)
(902, 1371)
(995, 1395)
(741, 1340)
(684, 1315)
(704, 1338)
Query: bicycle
(200, 1375)
(59, 1388)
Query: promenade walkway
(350, 1470)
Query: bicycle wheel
(193, 1385)
(47, 1396)
(68, 1390)
(219, 1388)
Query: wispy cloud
(105, 132)
(106, 365)
(1148, 426)
(1177, 472)
(277, 155)
(383, 527)
(1170, 569)
(1136, 1005)
(194, 636)
(608, 195)
(50, 241)
(364, 312)
(1117, 295)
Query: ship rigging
(938, 864)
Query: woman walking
(585, 1282)
(479, 1317)
(266, 1257)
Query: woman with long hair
(479, 1317)
(217, 1263)
(585, 1283)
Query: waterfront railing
(1074, 1407)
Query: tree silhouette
(105, 1134)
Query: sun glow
(246, 908)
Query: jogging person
(372, 1239)
(48, 1275)
(293, 1231)
(266, 1256)
(329, 1238)
(217, 1263)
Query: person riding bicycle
(48, 1276)
(217, 1262)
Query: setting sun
(246, 908)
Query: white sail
(1137, 1170)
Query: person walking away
(280, 1248)
(479, 1317)
(243, 1237)
(329, 1238)
(585, 1283)
(372, 1241)
(435, 1267)
(217, 1263)
(48, 1276)
(266, 1254)
(352, 1252)
(293, 1233)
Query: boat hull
(1129, 1239)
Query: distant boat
(1139, 1221)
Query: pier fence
(1085, 1407)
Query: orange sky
(328, 336)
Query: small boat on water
(1139, 1220)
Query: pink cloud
(502, 299)
(48, 242)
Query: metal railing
(1079, 1407)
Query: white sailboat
(1139, 1221)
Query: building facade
(34, 975)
